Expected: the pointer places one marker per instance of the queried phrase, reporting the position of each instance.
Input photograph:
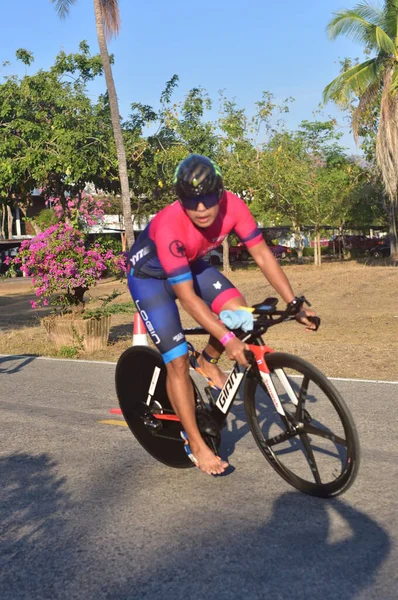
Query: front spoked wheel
(314, 446)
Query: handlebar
(268, 316)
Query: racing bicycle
(299, 420)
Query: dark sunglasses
(208, 200)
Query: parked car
(381, 251)
(278, 250)
(238, 252)
(322, 242)
(215, 256)
(359, 242)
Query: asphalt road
(86, 513)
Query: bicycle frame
(229, 391)
(269, 317)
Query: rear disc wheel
(141, 389)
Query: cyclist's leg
(156, 303)
(219, 294)
(180, 393)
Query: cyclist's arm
(246, 229)
(199, 310)
(271, 270)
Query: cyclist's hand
(302, 317)
(235, 350)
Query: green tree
(330, 189)
(361, 211)
(364, 123)
(374, 80)
(107, 21)
(235, 155)
(51, 135)
(240, 150)
(180, 128)
(285, 188)
(329, 175)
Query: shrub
(46, 218)
(62, 266)
(68, 351)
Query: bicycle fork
(264, 375)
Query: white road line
(363, 380)
(107, 362)
(354, 380)
(73, 360)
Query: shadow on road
(14, 368)
(16, 312)
(33, 502)
(374, 262)
(121, 332)
(293, 555)
(237, 428)
(307, 548)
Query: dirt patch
(357, 303)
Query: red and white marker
(139, 331)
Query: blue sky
(242, 47)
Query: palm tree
(107, 21)
(374, 81)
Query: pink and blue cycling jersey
(171, 242)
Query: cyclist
(165, 265)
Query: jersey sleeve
(245, 226)
(170, 247)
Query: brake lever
(249, 356)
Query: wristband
(227, 338)
(295, 306)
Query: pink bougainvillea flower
(60, 264)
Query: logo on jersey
(217, 285)
(177, 249)
(140, 254)
(178, 337)
(148, 324)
